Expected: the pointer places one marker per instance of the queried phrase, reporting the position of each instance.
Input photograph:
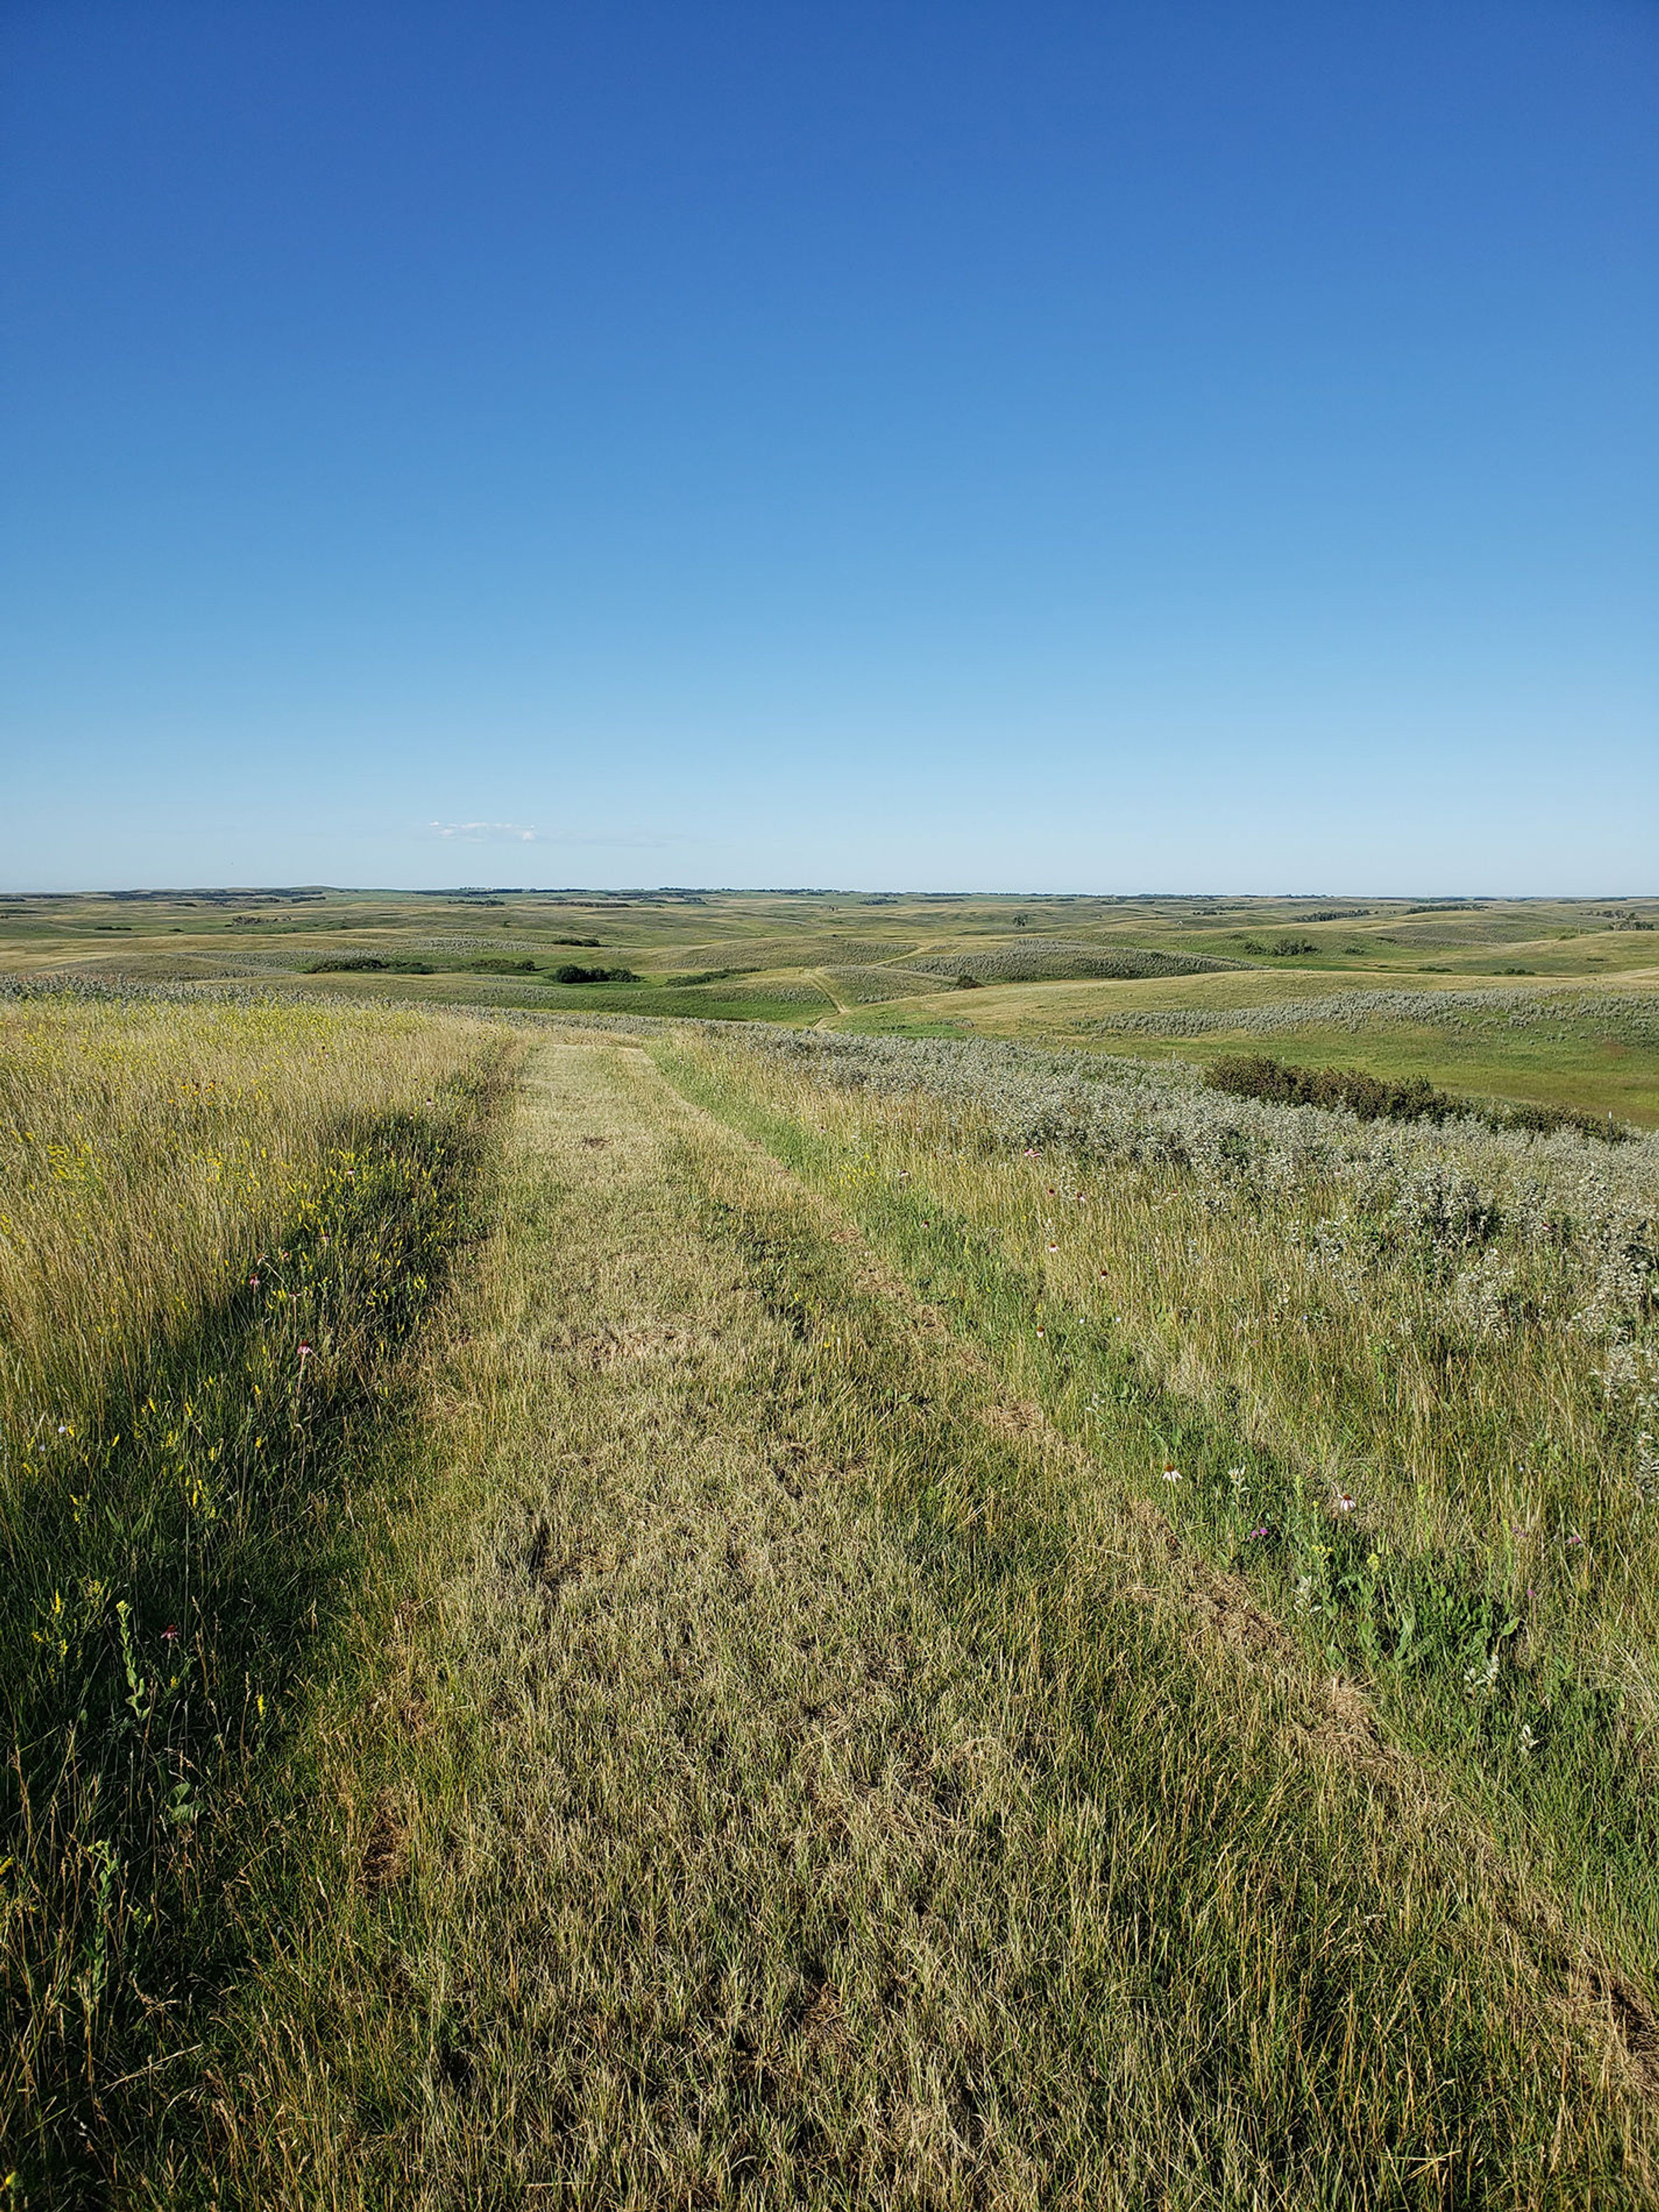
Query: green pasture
(1098, 973)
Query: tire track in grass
(792, 1809)
(986, 1300)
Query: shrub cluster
(569, 972)
(1375, 1097)
(362, 964)
(1372, 1097)
(1627, 1015)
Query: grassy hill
(742, 1615)
(1098, 973)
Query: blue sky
(948, 446)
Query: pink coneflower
(1040, 1329)
(169, 1634)
(253, 1282)
(304, 1352)
(1053, 1247)
(1259, 1532)
(1344, 1502)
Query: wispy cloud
(524, 833)
(485, 833)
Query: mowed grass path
(767, 1766)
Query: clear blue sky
(1020, 445)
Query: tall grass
(217, 1225)
(1404, 1381)
(1100, 1652)
(772, 1773)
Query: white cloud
(485, 833)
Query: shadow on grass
(170, 1560)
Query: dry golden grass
(767, 1766)
(217, 1225)
(144, 1148)
(744, 1721)
(1444, 1495)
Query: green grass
(1500, 1523)
(695, 1688)
(851, 1805)
(177, 1510)
(1060, 969)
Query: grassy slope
(218, 1227)
(1576, 1064)
(841, 960)
(1496, 1472)
(768, 1763)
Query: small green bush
(1545, 1121)
(570, 973)
(364, 963)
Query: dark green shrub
(364, 963)
(1376, 1097)
(1372, 1097)
(1545, 1121)
(570, 973)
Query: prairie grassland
(856, 986)
(1592, 1049)
(594, 1655)
(216, 1225)
(769, 1765)
(146, 1148)
(1405, 1384)
(771, 956)
(1055, 959)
